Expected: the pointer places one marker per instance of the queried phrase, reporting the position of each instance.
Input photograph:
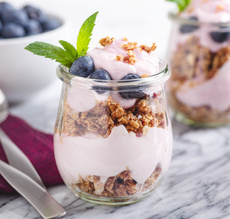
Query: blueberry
(11, 30)
(0, 28)
(15, 16)
(132, 91)
(220, 37)
(4, 6)
(33, 27)
(188, 28)
(50, 24)
(35, 13)
(100, 74)
(82, 66)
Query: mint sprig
(182, 4)
(84, 34)
(68, 54)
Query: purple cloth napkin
(37, 146)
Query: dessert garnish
(182, 4)
(68, 54)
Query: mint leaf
(70, 49)
(50, 51)
(182, 4)
(68, 54)
(85, 34)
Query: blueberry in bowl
(28, 74)
(29, 19)
(126, 93)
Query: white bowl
(22, 74)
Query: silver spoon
(25, 184)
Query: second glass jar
(199, 56)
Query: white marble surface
(196, 186)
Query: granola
(121, 185)
(107, 114)
(198, 62)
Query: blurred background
(144, 21)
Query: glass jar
(199, 57)
(111, 148)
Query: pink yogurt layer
(108, 157)
(210, 11)
(82, 99)
(214, 92)
(105, 57)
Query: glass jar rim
(158, 78)
(175, 17)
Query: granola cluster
(193, 60)
(107, 114)
(106, 41)
(198, 62)
(121, 185)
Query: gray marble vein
(197, 185)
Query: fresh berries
(220, 37)
(15, 16)
(188, 28)
(100, 74)
(35, 13)
(4, 6)
(12, 30)
(27, 21)
(33, 27)
(82, 66)
(50, 24)
(132, 91)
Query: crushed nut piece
(106, 41)
(149, 49)
(144, 76)
(130, 60)
(130, 46)
(119, 57)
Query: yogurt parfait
(113, 137)
(199, 55)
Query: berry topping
(220, 37)
(188, 28)
(33, 27)
(35, 13)
(4, 6)
(82, 66)
(50, 24)
(102, 75)
(134, 91)
(11, 30)
(15, 16)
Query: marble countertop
(196, 186)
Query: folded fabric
(37, 146)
